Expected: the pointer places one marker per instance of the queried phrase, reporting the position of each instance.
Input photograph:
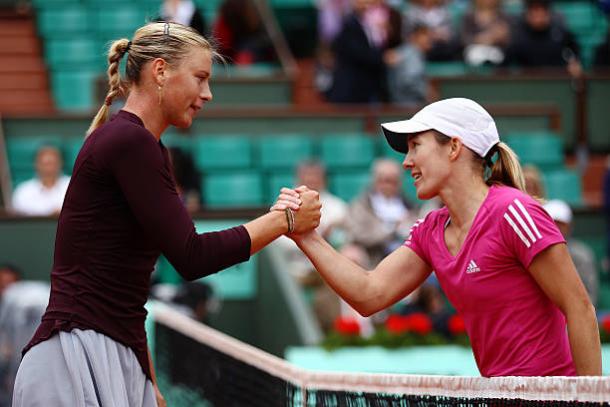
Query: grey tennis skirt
(82, 368)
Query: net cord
(584, 389)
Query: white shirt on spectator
(34, 199)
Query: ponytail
(506, 170)
(116, 86)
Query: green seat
(347, 151)
(73, 52)
(580, 16)
(19, 176)
(348, 185)
(389, 152)
(446, 69)
(284, 151)
(74, 90)
(63, 22)
(175, 140)
(150, 7)
(54, 4)
(22, 151)
(275, 182)
(543, 149)
(222, 152)
(118, 21)
(71, 148)
(237, 189)
(564, 184)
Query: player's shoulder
(432, 219)
(503, 198)
(123, 135)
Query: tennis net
(199, 366)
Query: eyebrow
(413, 137)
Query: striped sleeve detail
(522, 223)
(415, 225)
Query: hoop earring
(159, 94)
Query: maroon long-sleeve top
(120, 213)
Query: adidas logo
(472, 267)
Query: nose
(206, 92)
(407, 163)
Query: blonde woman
(120, 213)
(497, 254)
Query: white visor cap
(457, 117)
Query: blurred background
(300, 100)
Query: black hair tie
(488, 158)
(128, 47)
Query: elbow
(579, 308)
(190, 273)
(368, 307)
(366, 312)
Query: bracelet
(289, 219)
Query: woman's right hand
(304, 203)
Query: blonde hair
(170, 41)
(507, 169)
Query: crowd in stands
(238, 28)
(384, 45)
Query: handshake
(302, 207)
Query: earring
(159, 94)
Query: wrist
(290, 220)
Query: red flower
(397, 324)
(606, 323)
(347, 326)
(456, 325)
(420, 323)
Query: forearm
(584, 342)
(153, 375)
(347, 279)
(265, 229)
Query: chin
(183, 123)
(425, 195)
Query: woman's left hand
(288, 198)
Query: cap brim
(396, 133)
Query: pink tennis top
(514, 328)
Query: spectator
(435, 15)
(581, 254)
(184, 12)
(367, 327)
(429, 299)
(313, 175)
(533, 181)
(359, 73)
(334, 210)
(187, 179)
(241, 34)
(485, 33)
(330, 18)
(195, 299)
(43, 195)
(541, 39)
(9, 274)
(380, 218)
(331, 14)
(21, 308)
(407, 84)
